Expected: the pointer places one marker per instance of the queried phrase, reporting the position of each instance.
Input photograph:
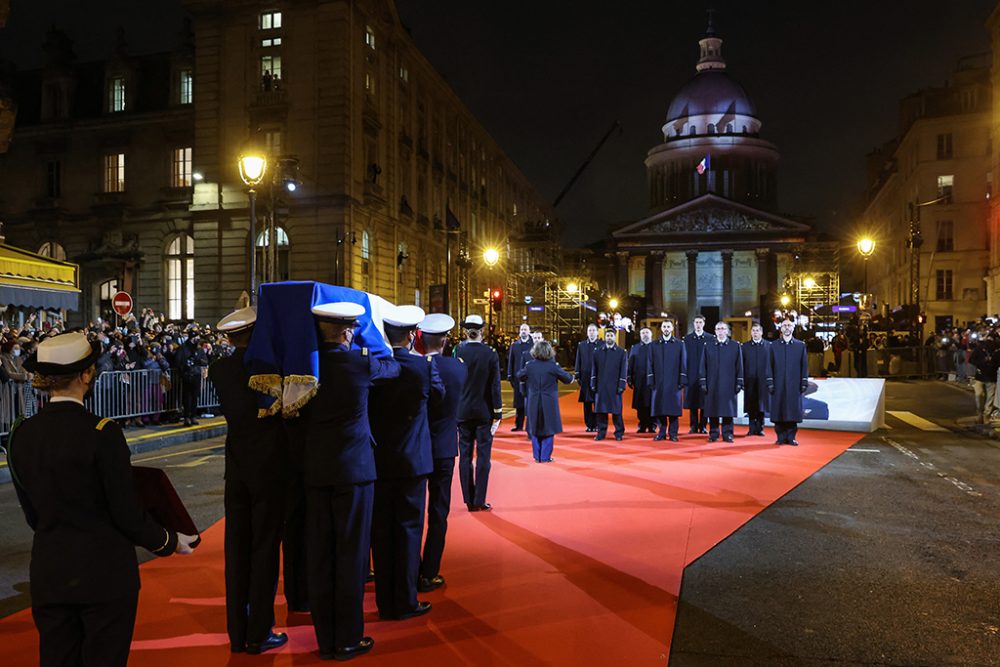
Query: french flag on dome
(704, 165)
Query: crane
(616, 125)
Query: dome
(709, 93)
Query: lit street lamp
(866, 248)
(491, 256)
(613, 303)
(253, 164)
(572, 288)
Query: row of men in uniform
(699, 372)
(373, 453)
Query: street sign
(536, 309)
(480, 302)
(122, 303)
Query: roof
(34, 281)
(711, 92)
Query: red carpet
(580, 562)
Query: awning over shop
(28, 280)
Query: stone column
(763, 284)
(623, 287)
(654, 297)
(692, 305)
(727, 284)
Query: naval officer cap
(403, 317)
(339, 312)
(437, 323)
(238, 320)
(473, 322)
(65, 354)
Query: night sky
(547, 79)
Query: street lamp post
(491, 257)
(866, 248)
(253, 164)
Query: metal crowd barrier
(889, 362)
(116, 394)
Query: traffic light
(496, 299)
(922, 318)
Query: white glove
(496, 425)
(184, 544)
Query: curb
(147, 442)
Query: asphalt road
(890, 555)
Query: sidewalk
(148, 438)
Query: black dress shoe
(370, 576)
(674, 438)
(713, 439)
(237, 648)
(274, 640)
(547, 461)
(794, 443)
(425, 585)
(659, 436)
(693, 431)
(778, 442)
(599, 437)
(728, 438)
(485, 507)
(618, 436)
(349, 652)
(421, 609)
(703, 430)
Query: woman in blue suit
(542, 399)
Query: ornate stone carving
(708, 220)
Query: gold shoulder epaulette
(364, 352)
(101, 424)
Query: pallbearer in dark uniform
(256, 468)
(403, 460)
(339, 477)
(721, 379)
(584, 369)
(72, 475)
(479, 413)
(443, 418)
(607, 381)
(668, 377)
(516, 358)
(693, 397)
(787, 382)
(638, 380)
(756, 360)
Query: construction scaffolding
(814, 284)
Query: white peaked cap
(437, 323)
(339, 310)
(238, 319)
(403, 316)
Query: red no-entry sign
(122, 303)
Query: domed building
(712, 241)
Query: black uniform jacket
(398, 416)
(256, 451)
(585, 367)
(481, 400)
(338, 436)
(443, 414)
(76, 488)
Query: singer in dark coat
(540, 377)
(694, 399)
(788, 381)
(583, 370)
(638, 380)
(668, 377)
(608, 382)
(756, 399)
(516, 358)
(256, 472)
(721, 379)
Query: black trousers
(397, 525)
(190, 392)
(474, 435)
(602, 423)
(340, 525)
(756, 423)
(588, 415)
(669, 425)
(255, 519)
(786, 431)
(727, 427)
(438, 507)
(293, 544)
(698, 419)
(644, 417)
(71, 635)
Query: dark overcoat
(667, 376)
(695, 347)
(540, 380)
(443, 414)
(608, 379)
(638, 375)
(756, 360)
(481, 402)
(789, 376)
(585, 368)
(721, 377)
(398, 417)
(516, 359)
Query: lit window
(270, 67)
(270, 41)
(114, 172)
(106, 291)
(53, 250)
(180, 278)
(945, 184)
(366, 267)
(116, 94)
(187, 87)
(272, 141)
(365, 245)
(370, 37)
(369, 83)
(944, 285)
(181, 173)
(269, 20)
(281, 259)
(404, 74)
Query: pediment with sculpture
(708, 221)
(711, 214)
